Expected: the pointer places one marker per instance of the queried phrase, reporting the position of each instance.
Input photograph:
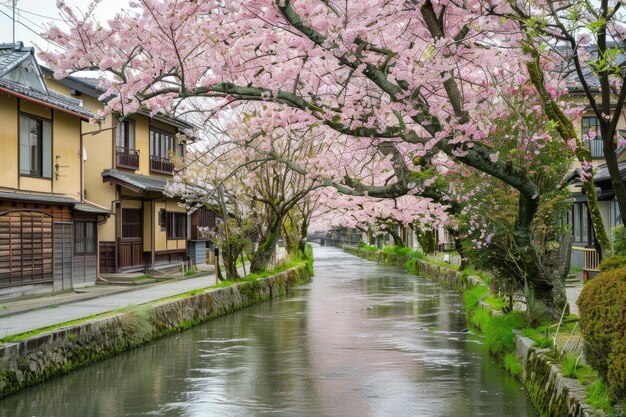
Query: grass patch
(512, 364)
(479, 318)
(499, 335)
(190, 273)
(569, 365)
(497, 303)
(368, 248)
(597, 395)
(139, 278)
(472, 297)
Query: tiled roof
(567, 68)
(136, 181)
(602, 173)
(11, 195)
(14, 55)
(52, 98)
(89, 86)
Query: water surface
(360, 340)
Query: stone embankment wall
(551, 393)
(41, 357)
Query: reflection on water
(360, 340)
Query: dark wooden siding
(107, 257)
(26, 247)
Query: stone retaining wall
(551, 393)
(41, 357)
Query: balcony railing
(162, 165)
(127, 158)
(591, 261)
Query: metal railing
(127, 158)
(163, 165)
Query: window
(85, 237)
(590, 130)
(616, 219)
(131, 223)
(176, 225)
(161, 144)
(581, 226)
(35, 147)
(126, 134)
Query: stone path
(51, 310)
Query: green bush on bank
(602, 305)
(619, 240)
(613, 262)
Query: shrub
(619, 240)
(603, 320)
(613, 262)
(137, 324)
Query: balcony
(161, 165)
(127, 158)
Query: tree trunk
(458, 245)
(566, 130)
(397, 240)
(263, 256)
(545, 283)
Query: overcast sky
(35, 14)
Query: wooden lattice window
(131, 223)
(85, 236)
(26, 248)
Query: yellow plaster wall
(148, 224)
(35, 109)
(99, 149)
(161, 241)
(66, 145)
(142, 143)
(8, 141)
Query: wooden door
(63, 251)
(130, 245)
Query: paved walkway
(51, 310)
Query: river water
(360, 340)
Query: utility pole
(14, 4)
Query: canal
(360, 340)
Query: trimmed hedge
(602, 306)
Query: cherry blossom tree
(582, 42)
(403, 80)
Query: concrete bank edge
(39, 358)
(551, 393)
